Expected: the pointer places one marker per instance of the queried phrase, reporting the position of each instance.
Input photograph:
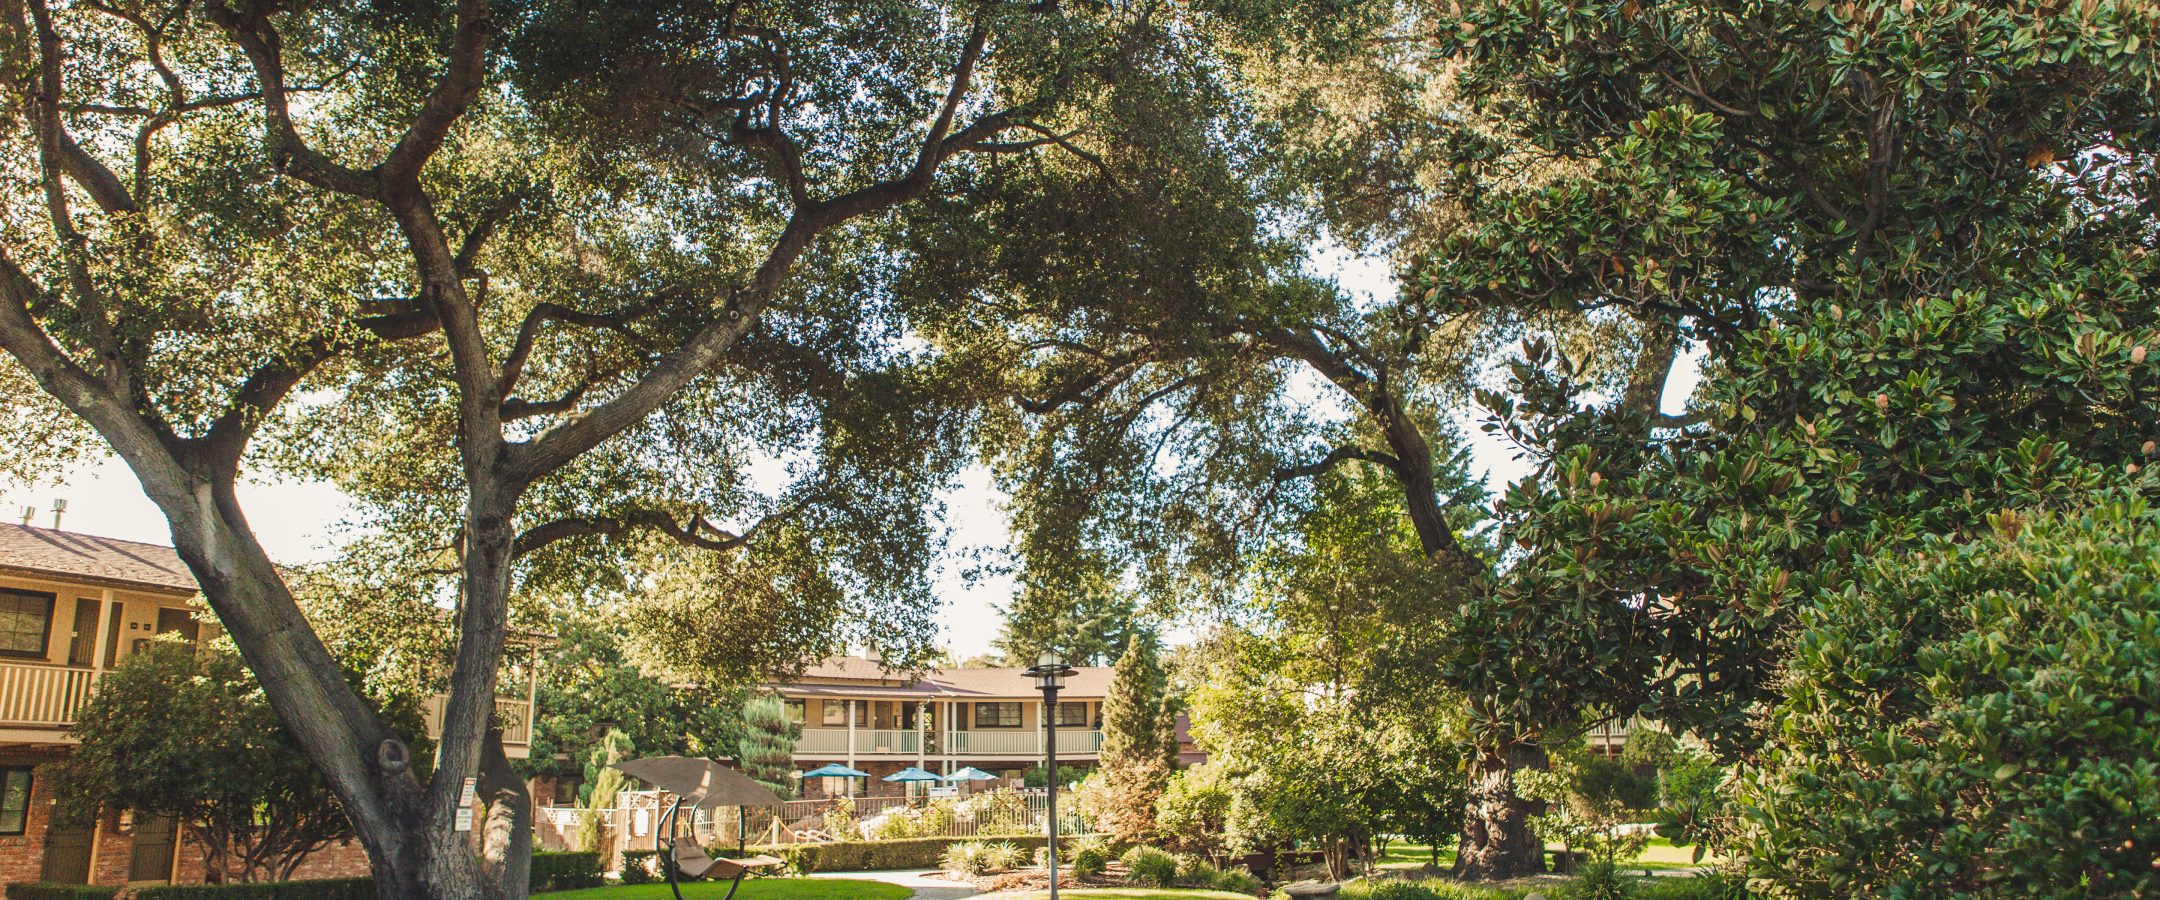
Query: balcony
(47, 697)
(35, 696)
(515, 717)
(833, 742)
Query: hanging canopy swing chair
(697, 783)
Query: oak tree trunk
(1497, 841)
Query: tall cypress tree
(1136, 764)
(768, 744)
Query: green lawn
(1406, 855)
(753, 889)
(1658, 854)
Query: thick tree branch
(1337, 457)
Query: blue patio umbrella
(835, 770)
(971, 774)
(912, 774)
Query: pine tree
(1136, 764)
(602, 782)
(768, 744)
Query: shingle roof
(29, 550)
(830, 678)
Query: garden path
(924, 883)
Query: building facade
(855, 712)
(73, 606)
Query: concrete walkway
(917, 880)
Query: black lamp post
(1049, 673)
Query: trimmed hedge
(319, 889)
(550, 872)
(44, 891)
(565, 870)
(871, 856)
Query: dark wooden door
(152, 859)
(67, 855)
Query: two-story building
(73, 606)
(855, 712)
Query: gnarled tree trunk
(1497, 841)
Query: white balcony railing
(43, 696)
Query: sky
(299, 522)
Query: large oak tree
(538, 283)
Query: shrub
(1598, 881)
(968, 858)
(1087, 856)
(1704, 887)
(323, 889)
(637, 866)
(1193, 814)
(1237, 881)
(1194, 872)
(798, 859)
(48, 891)
(842, 821)
(562, 871)
(1400, 890)
(1425, 890)
(1959, 721)
(934, 820)
(1149, 867)
(1004, 855)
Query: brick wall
(22, 857)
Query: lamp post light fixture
(1050, 673)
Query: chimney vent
(59, 505)
(28, 513)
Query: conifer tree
(768, 743)
(1136, 763)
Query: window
(795, 711)
(25, 622)
(997, 715)
(14, 799)
(1072, 714)
(835, 715)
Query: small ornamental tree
(1136, 765)
(1974, 720)
(602, 783)
(184, 733)
(768, 744)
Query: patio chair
(693, 863)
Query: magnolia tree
(539, 285)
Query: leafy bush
(934, 820)
(1149, 867)
(1237, 881)
(638, 866)
(1963, 721)
(1194, 811)
(562, 871)
(870, 856)
(1195, 872)
(1425, 890)
(969, 858)
(1089, 859)
(842, 821)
